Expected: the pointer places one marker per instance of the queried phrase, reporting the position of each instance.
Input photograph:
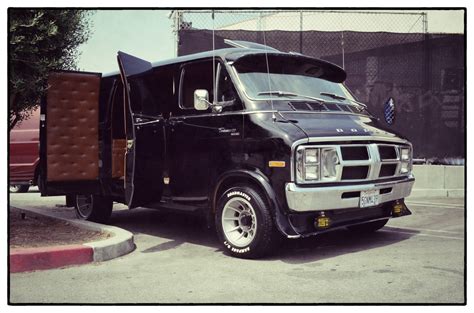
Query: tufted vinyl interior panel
(118, 154)
(72, 126)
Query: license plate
(369, 198)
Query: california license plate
(369, 198)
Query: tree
(40, 41)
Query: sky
(146, 34)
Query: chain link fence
(385, 54)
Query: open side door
(144, 130)
(69, 134)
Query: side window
(225, 88)
(163, 89)
(118, 126)
(226, 94)
(142, 99)
(194, 76)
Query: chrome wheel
(84, 205)
(239, 222)
(14, 188)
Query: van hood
(338, 125)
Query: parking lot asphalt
(414, 259)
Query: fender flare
(256, 176)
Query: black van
(263, 143)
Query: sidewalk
(100, 243)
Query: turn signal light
(276, 163)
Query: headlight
(311, 172)
(406, 160)
(311, 156)
(316, 164)
(329, 160)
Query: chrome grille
(364, 162)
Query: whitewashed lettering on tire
(236, 250)
(239, 193)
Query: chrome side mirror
(201, 99)
(389, 111)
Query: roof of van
(228, 54)
(220, 53)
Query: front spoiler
(303, 223)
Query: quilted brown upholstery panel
(118, 157)
(72, 126)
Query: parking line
(436, 205)
(420, 234)
(428, 230)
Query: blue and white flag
(389, 111)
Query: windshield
(292, 77)
(263, 85)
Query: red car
(24, 153)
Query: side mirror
(201, 99)
(389, 111)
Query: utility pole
(177, 16)
(301, 31)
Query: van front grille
(387, 170)
(365, 161)
(354, 153)
(355, 172)
(387, 152)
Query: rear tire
(244, 223)
(19, 188)
(367, 228)
(93, 208)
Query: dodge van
(262, 143)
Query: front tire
(367, 228)
(93, 208)
(244, 223)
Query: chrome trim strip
(321, 112)
(293, 155)
(150, 122)
(357, 138)
(189, 198)
(240, 112)
(305, 199)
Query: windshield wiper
(338, 97)
(333, 95)
(280, 93)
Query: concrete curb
(38, 258)
(30, 259)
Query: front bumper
(305, 199)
